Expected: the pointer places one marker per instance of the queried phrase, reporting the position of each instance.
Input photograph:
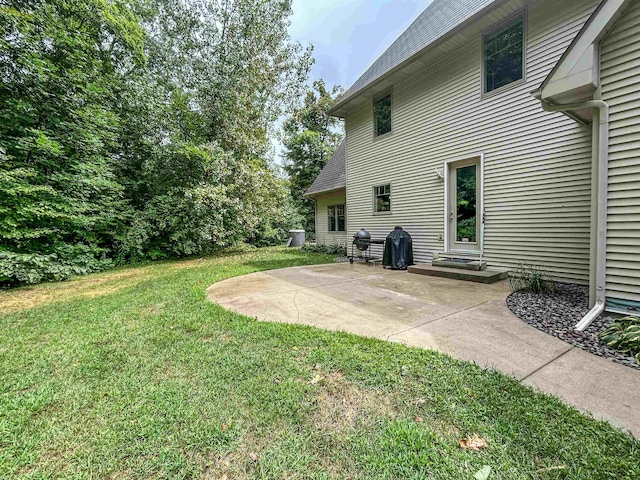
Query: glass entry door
(464, 205)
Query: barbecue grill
(362, 242)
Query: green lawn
(132, 374)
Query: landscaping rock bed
(557, 314)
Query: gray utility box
(297, 238)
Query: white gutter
(600, 185)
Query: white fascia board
(582, 80)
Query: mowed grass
(133, 374)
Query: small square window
(504, 55)
(382, 116)
(382, 198)
(336, 218)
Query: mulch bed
(558, 313)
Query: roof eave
(339, 110)
(575, 77)
(320, 192)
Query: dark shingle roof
(333, 175)
(438, 19)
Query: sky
(349, 35)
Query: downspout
(482, 230)
(601, 158)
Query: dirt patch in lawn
(341, 405)
(91, 286)
(81, 287)
(239, 464)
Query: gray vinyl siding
(537, 165)
(620, 78)
(323, 202)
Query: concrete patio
(468, 321)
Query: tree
(234, 63)
(136, 129)
(219, 73)
(60, 203)
(310, 137)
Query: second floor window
(382, 198)
(382, 116)
(336, 218)
(504, 55)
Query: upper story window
(382, 198)
(382, 116)
(336, 218)
(504, 55)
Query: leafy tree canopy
(310, 137)
(139, 129)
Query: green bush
(223, 199)
(31, 268)
(325, 249)
(624, 336)
(532, 278)
(274, 230)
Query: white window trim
(374, 202)
(336, 231)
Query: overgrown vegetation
(533, 278)
(140, 129)
(339, 250)
(310, 137)
(624, 335)
(132, 374)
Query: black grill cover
(398, 250)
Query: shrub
(275, 230)
(31, 268)
(204, 200)
(624, 336)
(532, 278)
(325, 249)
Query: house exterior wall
(537, 170)
(620, 80)
(323, 202)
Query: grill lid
(362, 240)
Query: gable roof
(575, 76)
(438, 19)
(334, 173)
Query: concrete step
(443, 255)
(483, 276)
(463, 264)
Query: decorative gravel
(557, 314)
